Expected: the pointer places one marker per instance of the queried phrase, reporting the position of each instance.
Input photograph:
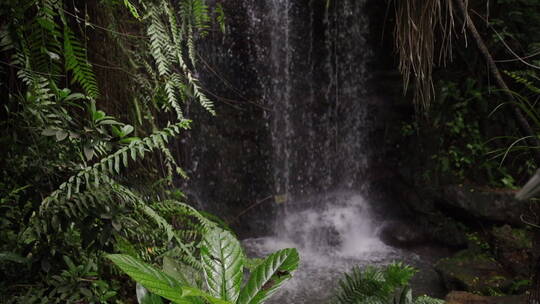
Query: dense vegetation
(473, 68)
(87, 165)
(479, 136)
(76, 181)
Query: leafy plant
(75, 178)
(79, 282)
(379, 286)
(223, 267)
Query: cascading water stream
(318, 127)
(303, 137)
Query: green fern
(166, 43)
(77, 63)
(378, 286)
(100, 172)
(132, 9)
(358, 286)
(221, 18)
(525, 78)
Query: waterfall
(289, 158)
(312, 69)
(313, 72)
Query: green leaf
(406, 296)
(145, 297)
(129, 140)
(151, 278)
(75, 96)
(125, 158)
(117, 163)
(132, 9)
(194, 292)
(126, 130)
(223, 262)
(12, 257)
(88, 151)
(269, 276)
(49, 132)
(116, 131)
(158, 282)
(183, 273)
(61, 135)
(133, 152)
(108, 122)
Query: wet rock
(460, 297)
(473, 272)
(445, 230)
(513, 247)
(498, 206)
(402, 234)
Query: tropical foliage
(74, 177)
(380, 286)
(223, 263)
(480, 122)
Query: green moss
(515, 238)
(475, 272)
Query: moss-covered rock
(491, 205)
(460, 297)
(473, 272)
(512, 246)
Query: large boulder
(473, 272)
(498, 206)
(460, 297)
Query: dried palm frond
(422, 27)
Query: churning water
(333, 232)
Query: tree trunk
(523, 123)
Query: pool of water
(334, 234)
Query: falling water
(315, 83)
(307, 65)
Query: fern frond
(166, 42)
(158, 41)
(358, 286)
(221, 17)
(111, 165)
(76, 61)
(197, 12)
(524, 79)
(132, 9)
(373, 285)
(398, 274)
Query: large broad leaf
(13, 257)
(151, 278)
(269, 276)
(160, 283)
(145, 297)
(223, 263)
(185, 274)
